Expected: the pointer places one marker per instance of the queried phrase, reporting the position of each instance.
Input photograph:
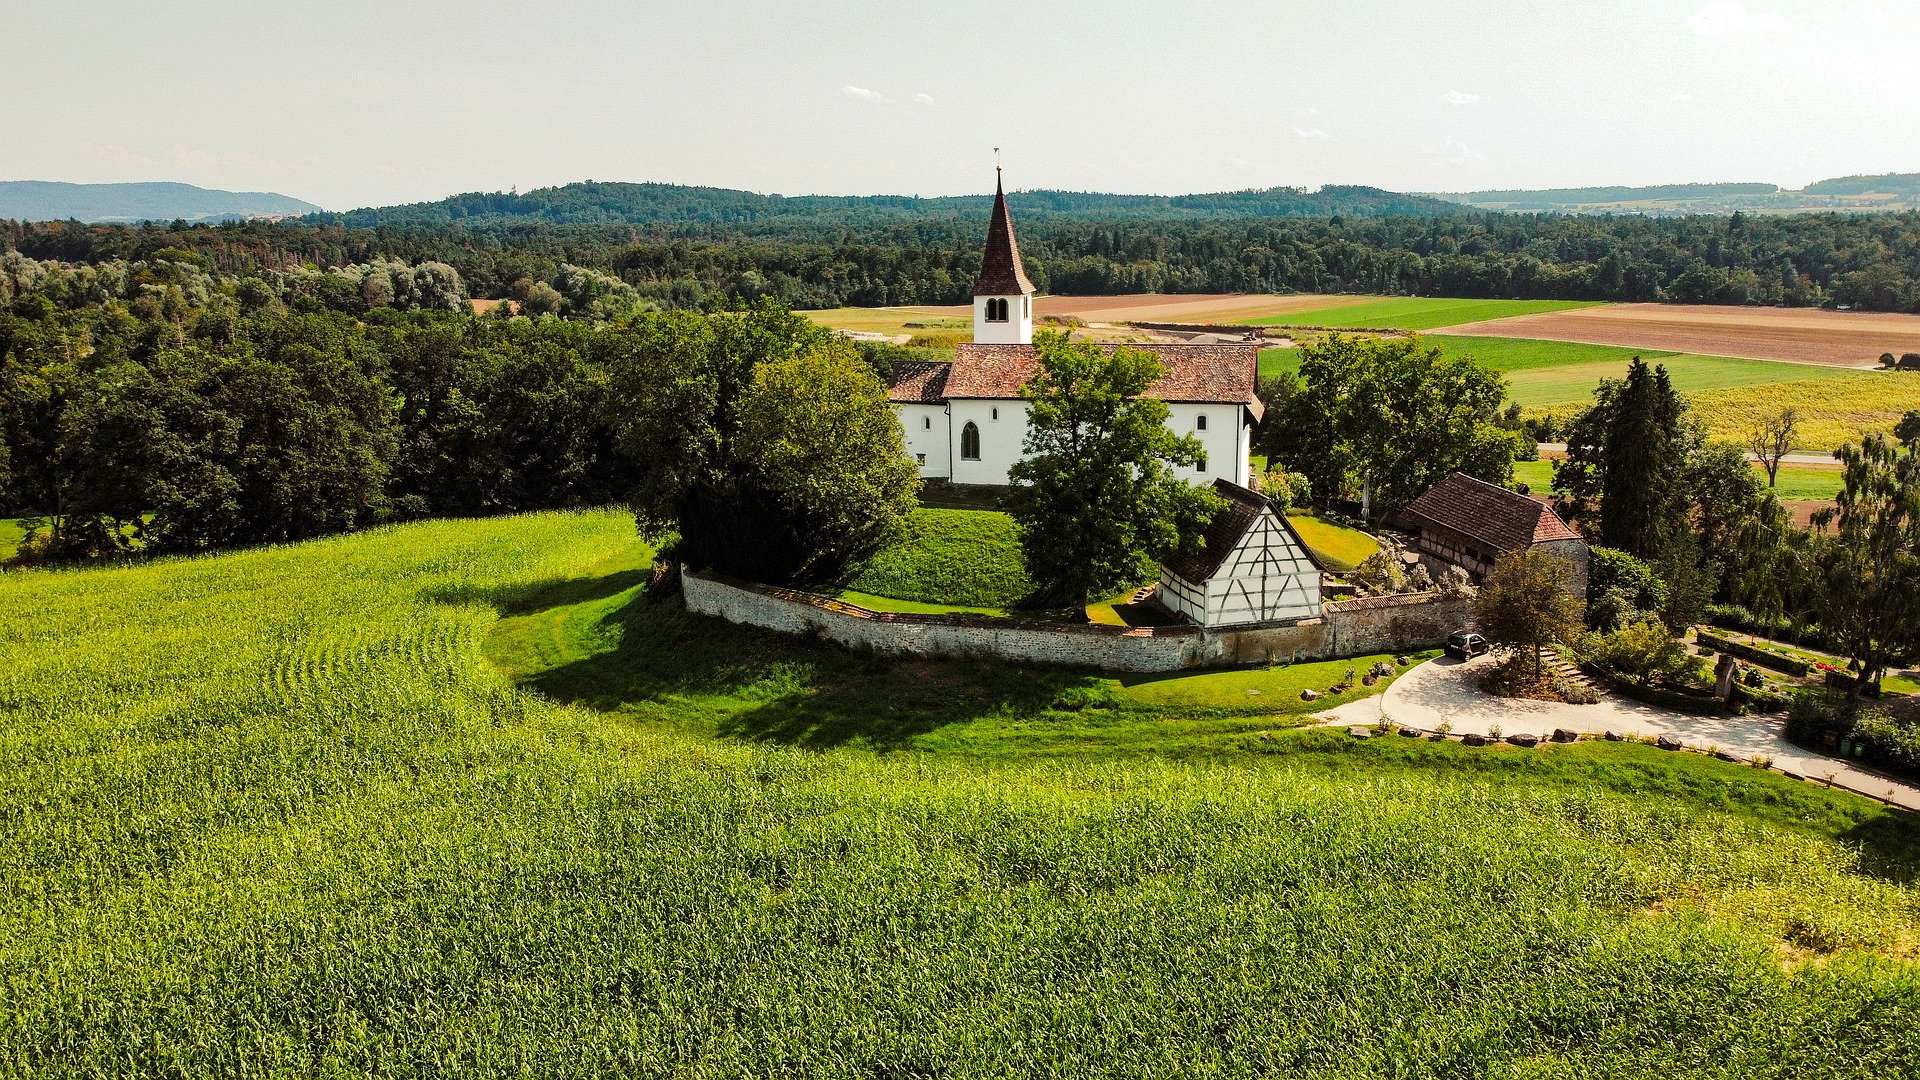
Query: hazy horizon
(356, 104)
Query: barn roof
(1196, 374)
(918, 382)
(1001, 273)
(1501, 519)
(1226, 530)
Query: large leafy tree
(720, 466)
(1867, 552)
(1386, 419)
(818, 433)
(1096, 498)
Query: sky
(349, 103)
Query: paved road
(1443, 691)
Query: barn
(1470, 523)
(1253, 569)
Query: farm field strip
(1804, 335)
(1796, 483)
(1415, 313)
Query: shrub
(1644, 653)
(1910, 361)
(1890, 742)
(1888, 360)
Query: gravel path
(1443, 691)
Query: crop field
(464, 798)
(1729, 394)
(1412, 312)
(1808, 335)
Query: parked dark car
(1466, 646)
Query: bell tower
(1002, 294)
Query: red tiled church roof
(918, 382)
(1503, 520)
(1001, 273)
(1206, 374)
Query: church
(966, 422)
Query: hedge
(1752, 654)
(1657, 695)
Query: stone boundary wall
(1351, 628)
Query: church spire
(1000, 271)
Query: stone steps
(1562, 668)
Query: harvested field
(1805, 335)
(1222, 308)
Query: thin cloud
(1726, 19)
(923, 99)
(861, 93)
(115, 154)
(1311, 133)
(1459, 98)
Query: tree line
(1869, 262)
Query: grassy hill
(460, 797)
(41, 200)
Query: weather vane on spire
(996, 159)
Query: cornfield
(273, 813)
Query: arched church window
(970, 442)
(996, 310)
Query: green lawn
(874, 602)
(1537, 475)
(1276, 689)
(461, 797)
(969, 558)
(1416, 313)
(1339, 548)
(11, 533)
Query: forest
(680, 247)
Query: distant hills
(594, 203)
(44, 200)
(1853, 194)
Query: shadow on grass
(628, 648)
(511, 600)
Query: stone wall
(1351, 628)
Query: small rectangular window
(1200, 422)
(927, 422)
(921, 458)
(1202, 466)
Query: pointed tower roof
(1000, 271)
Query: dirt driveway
(1444, 691)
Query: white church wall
(1017, 330)
(1224, 440)
(1003, 435)
(925, 427)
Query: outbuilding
(1470, 523)
(1254, 567)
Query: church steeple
(1002, 294)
